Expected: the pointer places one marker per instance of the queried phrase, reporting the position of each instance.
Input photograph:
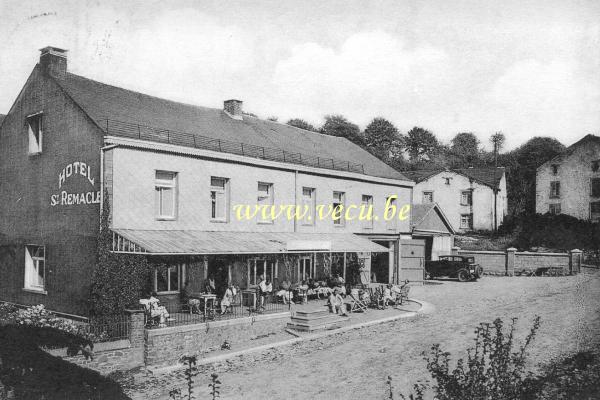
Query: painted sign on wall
(66, 198)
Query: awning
(191, 242)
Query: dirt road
(355, 364)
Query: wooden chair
(376, 298)
(356, 304)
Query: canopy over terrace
(191, 242)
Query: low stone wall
(165, 346)
(511, 262)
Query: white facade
(570, 183)
(449, 190)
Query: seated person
(152, 305)
(186, 297)
(209, 285)
(336, 303)
(285, 292)
(228, 298)
(302, 292)
(387, 295)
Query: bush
(560, 232)
(493, 369)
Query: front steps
(311, 321)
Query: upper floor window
(265, 199)
(447, 180)
(554, 169)
(595, 187)
(219, 198)
(34, 128)
(595, 211)
(466, 221)
(392, 222)
(466, 198)
(427, 197)
(555, 189)
(308, 205)
(35, 267)
(165, 194)
(339, 208)
(596, 166)
(554, 208)
(367, 204)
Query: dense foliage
(119, 280)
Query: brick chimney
(54, 61)
(233, 108)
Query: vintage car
(461, 267)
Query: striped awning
(191, 242)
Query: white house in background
(570, 182)
(472, 198)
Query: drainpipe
(102, 151)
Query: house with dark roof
(198, 191)
(472, 198)
(430, 224)
(569, 183)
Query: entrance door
(412, 260)
(380, 264)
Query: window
(168, 279)
(259, 267)
(165, 196)
(35, 267)
(338, 208)
(595, 187)
(392, 223)
(265, 199)
(427, 197)
(554, 169)
(554, 208)
(447, 180)
(554, 189)
(595, 166)
(367, 204)
(308, 204)
(466, 221)
(466, 198)
(34, 128)
(219, 199)
(595, 211)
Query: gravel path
(355, 364)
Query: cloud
(371, 73)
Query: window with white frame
(466, 198)
(554, 208)
(165, 194)
(595, 211)
(308, 205)
(35, 130)
(338, 208)
(219, 198)
(367, 204)
(265, 200)
(35, 267)
(466, 221)
(392, 223)
(260, 266)
(427, 197)
(554, 189)
(169, 279)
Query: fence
(512, 262)
(107, 329)
(136, 131)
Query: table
(208, 298)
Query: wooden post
(344, 274)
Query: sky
(526, 68)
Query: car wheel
(479, 272)
(463, 275)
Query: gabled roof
(487, 176)
(102, 102)
(569, 150)
(421, 212)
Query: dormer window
(447, 180)
(554, 169)
(34, 128)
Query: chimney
(54, 61)
(233, 108)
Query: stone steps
(310, 321)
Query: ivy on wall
(119, 280)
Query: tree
(464, 149)
(338, 125)
(383, 139)
(302, 124)
(273, 118)
(421, 144)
